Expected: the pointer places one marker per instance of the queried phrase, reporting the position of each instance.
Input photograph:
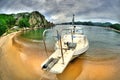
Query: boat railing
(44, 33)
(77, 30)
(58, 36)
(44, 39)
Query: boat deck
(60, 66)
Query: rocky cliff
(36, 19)
(33, 19)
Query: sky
(58, 11)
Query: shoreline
(21, 62)
(113, 29)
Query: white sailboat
(69, 46)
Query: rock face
(37, 20)
(34, 19)
(22, 20)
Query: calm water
(33, 34)
(100, 62)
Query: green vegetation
(2, 29)
(89, 23)
(115, 26)
(6, 22)
(22, 20)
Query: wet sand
(18, 61)
(21, 60)
(91, 69)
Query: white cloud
(58, 17)
(62, 10)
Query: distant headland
(12, 22)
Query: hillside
(31, 20)
(89, 23)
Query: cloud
(62, 10)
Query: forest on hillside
(22, 20)
(89, 23)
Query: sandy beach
(19, 61)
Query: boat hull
(67, 48)
(80, 51)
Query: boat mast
(73, 20)
(60, 41)
(73, 28)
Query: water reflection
(34, 34)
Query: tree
(10, 21)
(115, 26)
(23, 22)
(2, 29)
